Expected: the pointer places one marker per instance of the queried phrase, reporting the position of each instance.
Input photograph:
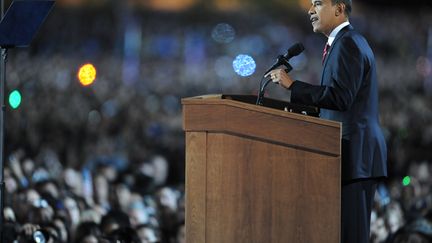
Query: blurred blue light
(280, 34)
(171, 104)
(223, 33)
(154, 130)
(194, 49)
(252, 44)
(166, 46)
(109, 108)
(244, 65)
(152, 104)
(132, 48)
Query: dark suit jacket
(349, 94)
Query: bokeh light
(110, 108)
(171, 104)
(222, 67)
(305, 4)
(223, 33)
(252, 44)
(424, 66)
(15, 99)
(87, 74)
(94, 117)
(406, 181)
(152, 104)
(228, 5)
(169, 5)
(244, 65)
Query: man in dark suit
(349, 94)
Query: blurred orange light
(227, 4)
(305, 4)
(169, 5)
(87, 74)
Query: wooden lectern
(258, 174)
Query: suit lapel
(335, 42)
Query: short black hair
(348, 5)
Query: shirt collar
(336, 30)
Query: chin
(315, 28)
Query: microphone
(293, 51)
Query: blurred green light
(406, 180)
(15, 99)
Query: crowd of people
(101, 202)
(106, 162)
(403, 208)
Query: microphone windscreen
(295, 50)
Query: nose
(311, 10)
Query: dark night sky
(398, 3)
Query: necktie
(325, 52)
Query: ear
(340, 9)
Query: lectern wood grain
(196, 185)
(249, 186)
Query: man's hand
(281, 77)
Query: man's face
(323, 16)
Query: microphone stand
(281, 61)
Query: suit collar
(336, 30)
(342, 32)
(338, 36)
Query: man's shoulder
(350, 32)
(353, 42)
(351, 37)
